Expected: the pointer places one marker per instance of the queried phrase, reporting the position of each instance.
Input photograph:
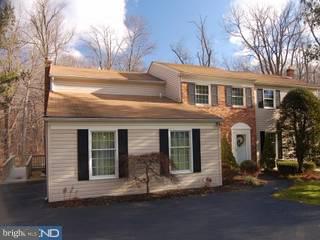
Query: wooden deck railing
(38, 161)
(6, 168)
(35, 162)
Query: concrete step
(17, 174)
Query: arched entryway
(241, 141)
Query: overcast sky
(169, 20)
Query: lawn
(302, 191)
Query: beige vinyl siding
(62, 165)
(142, 89)
(266, 118)
(172, 78)
(139, 143)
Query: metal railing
(6, 167)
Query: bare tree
(239, 63)
(105, 46)
(271, 37)
(205, 54)
(137, 44)
(146, 167)
(47, 31)
(312, 16)
(181, 52)
(9, 42)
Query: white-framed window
(268, 98)
(180, 152)
(103, 154)
(202, 94)
(238, 96)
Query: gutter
(103, 119)
(71, 77)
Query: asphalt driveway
(251, 214)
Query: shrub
(287, 167)
(268, 154)
(249, 167)
(230, 167)
(253, 181)
(309, 166)
(226, 154)
(228, 173)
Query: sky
(169, 21)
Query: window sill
(202, 105)
(238, 106)
(181, 172)
(103, 177)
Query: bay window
(180, 151)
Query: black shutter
(278, 98)
(164, 151)
(214, 95)
(123, 152)
(196, 149)
(228, 95)
(191, 93)
(262, 138)
(260, 98)
(83, 155)
(249, 97)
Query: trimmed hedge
(309, 166)
(287, 167)
(249, 167)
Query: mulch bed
(172, 194)
(312, 175)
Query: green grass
(302, 191)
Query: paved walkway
(252, 214)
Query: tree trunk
(300, 165)
(24, 123)
(147, 181)
(6, 140)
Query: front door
(241, 148)
(241, 142)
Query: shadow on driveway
(252, 214)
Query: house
(95, 119)
(247, 102)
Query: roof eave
(99, 119)
(158, 82)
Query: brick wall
(230, 116)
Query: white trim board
(130, 125)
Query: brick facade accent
(230, 115)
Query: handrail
(29, 167)
(8, 160)
(6, 167)
(29, 160)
